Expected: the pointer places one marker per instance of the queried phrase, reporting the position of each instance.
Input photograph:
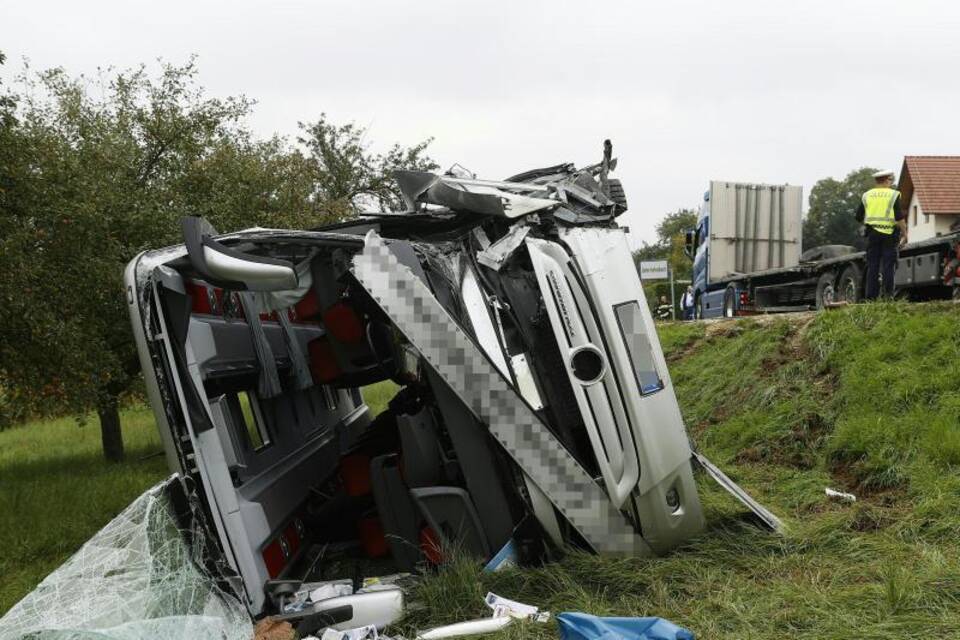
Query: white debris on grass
(840, 495)
(504, 613)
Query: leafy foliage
(93, 171)
(830, 219)
(348, 176)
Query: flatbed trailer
(821, 283)
(742, 226)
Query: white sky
(688, 91)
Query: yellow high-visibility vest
(878, 206)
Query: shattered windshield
(136, 578)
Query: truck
(747, 257)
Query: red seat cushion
(355, 473)
(308, 307)
(323, 361)
(343, 323)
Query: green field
(56, 491)
(865, 399)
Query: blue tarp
(583, 626)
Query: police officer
(882, 214)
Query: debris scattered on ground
(368, 632)
(840, 495)
(334, 604)
(503, 559)
(504, 607)
(583, 626)
(272, 629)
(505, 612)
(308, 593)
(331, 590)
(402, 580)
(468, 628)
(378, 607)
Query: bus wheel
(850, 286)
(826, 290)
(729, 302)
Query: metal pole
(673, 300)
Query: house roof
(936, 181)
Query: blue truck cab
(708, 300)
(747, 239)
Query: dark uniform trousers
(881, 259)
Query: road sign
(654, 270)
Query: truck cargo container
(746, 252)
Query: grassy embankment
(865, 399)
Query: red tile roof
(936, 180)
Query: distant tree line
(95, 170)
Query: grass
(864, 399)
(56, 491)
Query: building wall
(921, 226)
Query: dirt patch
(684, 350)
(796, 317)
(796, 343)
(722, 328)
(870, 517)
(846, 477)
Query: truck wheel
(850, 286)
(698, 308)
(956, 294)
(729, 302)
(826, 290)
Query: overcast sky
(688, 91)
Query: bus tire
(730, 302)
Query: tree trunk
(110, 434)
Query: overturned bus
(532, 409)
